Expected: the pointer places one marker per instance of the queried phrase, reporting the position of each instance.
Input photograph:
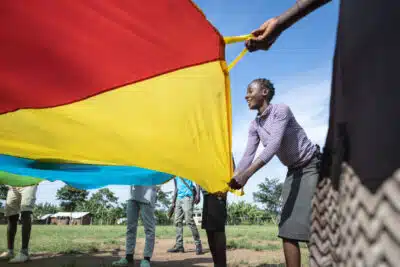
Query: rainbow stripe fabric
(106, 92)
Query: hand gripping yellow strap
(236, 39)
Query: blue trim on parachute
(82, 176)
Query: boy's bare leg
(211, 244)
(26, 229)
(220, 249)
(12, 231)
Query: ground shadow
(104, 261)
(205, 250)
(272, 265)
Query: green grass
(89, 239)
(246, 244)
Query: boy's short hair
(267, 84)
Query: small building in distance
(45, 219)
(71, 218)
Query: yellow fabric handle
(236, 60)
(237, 192)
(236, 39)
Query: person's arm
(175, 193)
(253, 141)
(270, 30)
(301, 9)
(197, 196)
(280, 122)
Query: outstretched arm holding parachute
(270, 30)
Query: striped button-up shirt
(281, 135)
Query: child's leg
(179, 216)
(188, 206)
(12, 231)
(220, 249)
(131, 228)
(149, 223)
(28, 197)
(213, 221)
(12, 211)
(291, 250)
(26, 230)
(211, 243)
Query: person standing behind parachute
(20, 200)
(143, 201)
(186, 195)
(213, 221)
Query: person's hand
(234, 184)
(238, 181)
(171, 210)
(264, 36)
(197, 199)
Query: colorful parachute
(112, 92)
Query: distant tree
(245, 213)
(163, 199)
(71, 197)
(44, 208)
(103, 205)
(3, 192)
(115, 213)
(104, 197)
(162, 217)
(124, 207)
(269, 194)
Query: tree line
(106, 209)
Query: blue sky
(299, 65)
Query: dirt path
(161, 258)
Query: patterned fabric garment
(280, 134)
(353, 226)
